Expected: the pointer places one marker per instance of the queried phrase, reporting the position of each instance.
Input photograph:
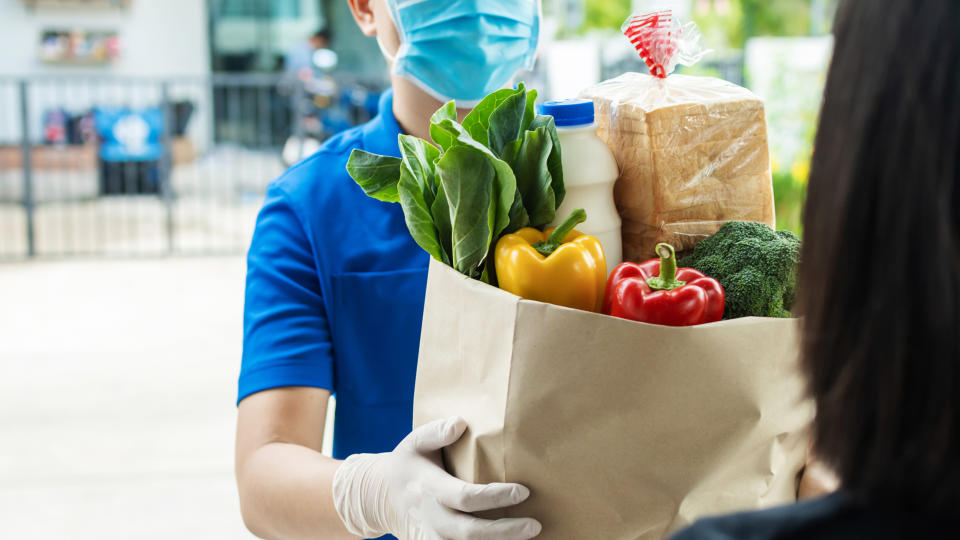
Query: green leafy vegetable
(506, 122)
(419, 217)
(440, 210)
(497, 172)
(417, 190)
(555, 161)
(467, 179)
(533, 178)
(439, 135)
(477, 122)
(531, 109)
(377, 175)
(418, 159)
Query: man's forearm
(285, 493)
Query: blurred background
(136, 141)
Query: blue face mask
(464, 49)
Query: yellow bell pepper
(559, 266)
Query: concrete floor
(117, 390)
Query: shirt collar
(380, 134)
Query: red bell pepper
(656, 292)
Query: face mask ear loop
(390, 58)
(391, 4)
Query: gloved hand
(408, 494)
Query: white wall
(160, 37)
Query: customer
(334, 302)
(880, 284)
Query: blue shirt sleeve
(286, 336)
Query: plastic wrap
(692, 151)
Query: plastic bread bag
(692, 151)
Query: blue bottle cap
(569, 112)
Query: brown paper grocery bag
(621, 430)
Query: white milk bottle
(589, 173)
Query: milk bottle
(589, 173)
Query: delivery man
(334, 301)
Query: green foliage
(780, 18)
(729, 23)
(756, 266)
(721, 28)
(497, 172)
(726, 24)
(606, 14)
(790, 195)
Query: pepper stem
(667, 280)
(547, 248)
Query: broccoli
(756, 265)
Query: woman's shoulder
(779, 522)
(827, 518)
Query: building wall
(160, 37)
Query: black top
(829, 518)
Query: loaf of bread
(693, 154)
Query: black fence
(142, 167)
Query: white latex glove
(408, 494)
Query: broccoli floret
(756, 265)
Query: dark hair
(880, 272)
(323, 33)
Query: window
(274, 9)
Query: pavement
(117, 391)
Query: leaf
(505, 181)
(467, 177)
(555, 162)
(417, 190)
(485, 275)
(441, 222)
(441, 137)
(498, 171)
(418, 215)
(506, 122)
(461, 136)
(518, 215)
(505, 184)
(377, 175)
(519, 218)
(419, 157)
(534, 181)
(531, 111)
(477, 123)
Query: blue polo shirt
(334, 293)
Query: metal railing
(63, 194)
(66, 191)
